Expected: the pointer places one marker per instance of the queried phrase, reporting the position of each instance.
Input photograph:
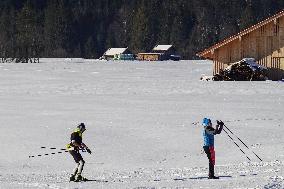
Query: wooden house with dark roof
(263, 41)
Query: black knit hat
(81, 126)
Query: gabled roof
(114, 51)
(162, 47)
(240, 34)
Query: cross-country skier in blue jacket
(208, 135)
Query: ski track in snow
(143, 123)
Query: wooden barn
(159, 53)
(263, 41)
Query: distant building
(264, 42)
(114, 53)
(165, 49)
(159, 53)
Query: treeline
(86, 28)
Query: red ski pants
(210, 152)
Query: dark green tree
(247, 17)
(140, 29)
(7, 37)
(28, 40)
(56, 29)
(90, 48)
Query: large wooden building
(263, 41)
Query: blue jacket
(208, 138)
(209, 131)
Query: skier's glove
(89, 151)
(82, 149)
(220, 123)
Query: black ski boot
(211, 172)
(213, 177)
(72, 178)
(79, 178)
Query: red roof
(242, 33)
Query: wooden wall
(149, 57)
(265, 44)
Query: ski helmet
(82, 127)
(206, 122)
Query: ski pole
(53, 153)
(40, 155)
(242, 142)
(52, 148)
(63, 149)
(236, 144)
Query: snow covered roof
(114, 51)
(162, 47)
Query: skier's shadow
(201, 178)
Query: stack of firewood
(244, 70)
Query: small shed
(159, 53)
(264, 42)
(111, 53)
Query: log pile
(245, 70)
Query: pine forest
(87, 28)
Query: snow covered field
(139, 119)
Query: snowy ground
(139, 119)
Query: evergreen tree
(140, 29)
(90, 48)
(247, 17)
(27, 35)
(56, 29)
(7, 39)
